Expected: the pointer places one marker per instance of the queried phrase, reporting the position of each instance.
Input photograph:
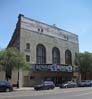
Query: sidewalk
(28, 88)
(24, 89)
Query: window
(68, 57)
(28, 58)
(38, 29)
(41, 30)
(28, 46)
(40, 54)
(55, 55)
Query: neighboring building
(49, 49)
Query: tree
(11, 58)
(84, 63)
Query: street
(57, 93)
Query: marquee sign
(52, 67)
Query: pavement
(28, 88)
(23, 89)
(24, 92)
(57, 93)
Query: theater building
(49, 50)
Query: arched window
(40, 54)
(68, 57)
(55, 56)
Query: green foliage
(84, 62)
(11, 58)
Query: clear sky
(72, 15)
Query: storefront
(58, 73)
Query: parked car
(45, 85)
(68, 84)
(85, 83)
(5, 86)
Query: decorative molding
(33, 25)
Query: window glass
(40, 54)
(27, 45)
(41, 30)
(38, 29)
(28, 58)
(55, 55)
(68, 57)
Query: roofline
(55, 27)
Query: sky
(72, 15)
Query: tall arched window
(55, 56)
(40, 54)
(68, 57)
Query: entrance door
(57, 80)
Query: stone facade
(50, 37)
(34, 32)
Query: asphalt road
(72, 93)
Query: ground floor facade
(40, 73)
(58, 73)
(56, 77)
